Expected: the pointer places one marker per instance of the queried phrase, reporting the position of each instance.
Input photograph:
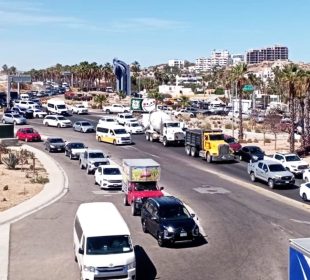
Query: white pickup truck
(291, 162)
(116, 108)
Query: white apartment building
(176, 63)
(237, 59)
(219, 58)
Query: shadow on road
(145, 269)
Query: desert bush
(255, 140)
(39, 180)
(215, 126)
(200, 116)
(11, 160)
(267, 140)
(257, 130)
(228, 126)
(249, 141)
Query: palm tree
(184, 100)
(238, 76)
(289, 78)
(157, 96)
(5, 69)
(100, 100)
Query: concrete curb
(56, 188)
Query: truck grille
(106, 269)
(100, 163)
(115, 181)
(301, 167)
(125, 276)
(179, 136)
(223, 149)
(125, 138)
(286, 178)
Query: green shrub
(257, 130)
(40, 180)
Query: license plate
(287, 182)
(59, 149)
(183, 234)
(115, 185)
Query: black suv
(168, 220)
(53, 144)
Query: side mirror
(193, 215)
(81, 251)
(161, 188)
(154, 218)
(108, 156)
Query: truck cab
(140, 182)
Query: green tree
(154, 94)
(100, 100)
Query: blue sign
(248, 88)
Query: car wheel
(125, 200)
(188, 150)
(58, 125)
(165, 142)
(3, 121)
(160, 240)
(108, 111)
(133, 209)
(147, 136)
(88, 171)
(240, 158)
(151, 138)
(193, 152)
(271, 183)
(70, 156)
(46, 124)
(252, 176)
(114, 142)
(144, 228)
(209, 158)
(304, 197)
(81, 165)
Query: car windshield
(96, 155)
(85, 124)
(16, 116)
(174, 213)
(276, 167)
(173, 124)
(62, 119)
(129, 117)
(231, 140)
(104, 245)
(61, 106)
(56, 140)
(292, 158)
(111, 171)
(120, 131)
(145, 186)
(216, 137)
(30, 130)
(134, 124)
(255, 150)
(77, 146)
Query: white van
(112, 133)
(57, 107)
(24, 96)
(102, 244)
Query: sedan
(54, 144)
(304, 191)
(74, 149)
(38, 113)
(83, 126)
(108, 176)
(27, 113)
(28, 134)
(13, 118)
(250, 153)
(133, 127)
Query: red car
(28, 134)
(232, 142)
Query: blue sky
(41, 33)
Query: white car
(124, 117)
(108, 176)
(304, 191)
(292, 162)
(79, 109)
(37, 113)
(133, 127)
(107, 119)
(306, 175)
(55, 120)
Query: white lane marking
(107, 193)
(300, 222)
(211, 190)
(145, 152)
(4, 250)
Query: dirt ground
(17, 185)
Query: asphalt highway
(246, 233)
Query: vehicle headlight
(131, 265)
(91, 162)
(277, 176)
(170, 229)
(138, 199)
(196, 231)
(52, 146)
(89, 268)
(255, 157)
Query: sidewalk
(52, 191)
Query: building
(188, 79)
(217, 59)
(267, 54)
(237, 59)
(176, 63)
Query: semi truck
(159, 126)
(208, 144)
(140, 182)
(299, 259)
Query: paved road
(247, 232)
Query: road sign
(142, 104)
(248, 88)
(136, 104)
(20, 79)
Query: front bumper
(223, 157)
(128, 275)
(179, 236)
(57, 149)
(280, 182)
(123, 142)
(65, 124)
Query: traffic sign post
(247, 88)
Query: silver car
(271, 172)
(83, 126)
(13, 118)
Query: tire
(14, 123)
(252, 177)
(81, 165)
(125, 200)
(147, 136)
(58, 125)
(151, 138)
(209, 158)
(304, 197)
(240, 158)
(114, 142)
(160, 241)
(70, 156)
(144, 228)
(271, 183)
(188, 150)
(46, 124)
(88, 171)
(165, 142)
(133, 209)
(307, 180)
(108, 111)
(3, 121)
(193, 152)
